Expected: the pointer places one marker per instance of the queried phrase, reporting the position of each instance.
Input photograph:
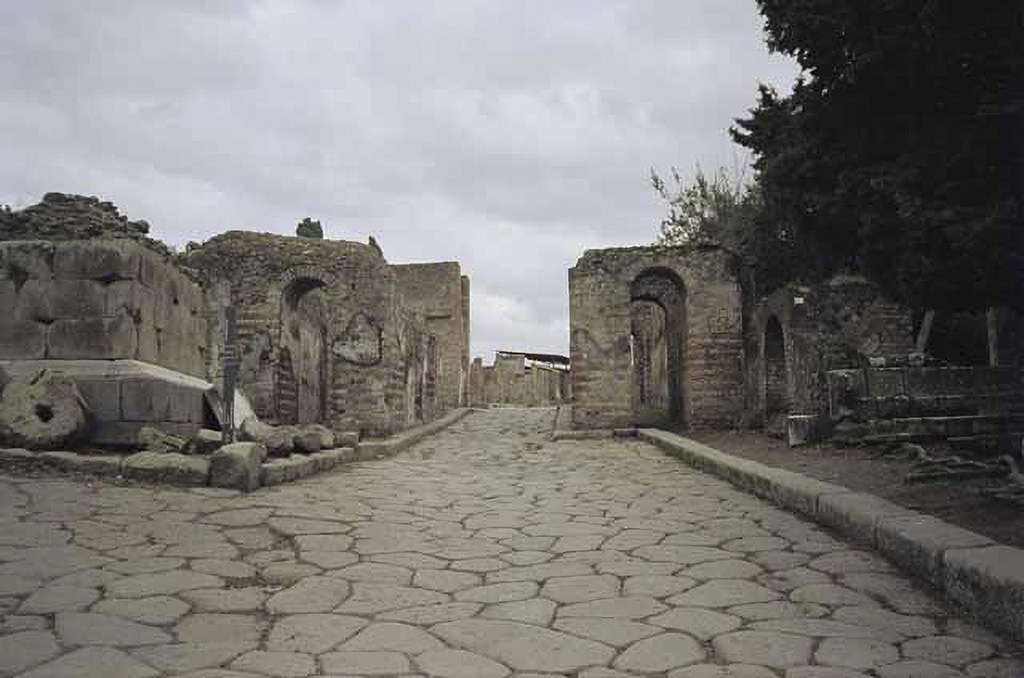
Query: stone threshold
(980, 576)
(194, 470)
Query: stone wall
(99, 299)
(835, 325)
(699, 288)
(517, 382)
(440, 294)
(320, 325)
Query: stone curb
(367, 450)
(983, 578)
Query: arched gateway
(655, 337)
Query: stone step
(941, 405)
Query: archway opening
(776, 392)
(303, 368)
(658, 329)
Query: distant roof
(540, 357)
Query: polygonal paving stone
(636, 568)
(879, 618)
(51, 599)
(625, 607)
(656, 586)
(766, 648)
(946, 650)
(157, 610)
(580, 589)
(829, 594)
(787, 580)
(538, 572)
(381, 573)
(845, 562)
(312, 594)
(391, 637)
(459, 664)
(681, 553)
(856, 653)
(660, 653)
(754, 544)
(479, 565)
(283, 664)
(897, 592)
(180, 657)
(32, 534)
(779, 609)
(723, 569)
(162, 583)
(291, 527)
(720, 671)
(218, 628)
(698, 622)
(229, 569)
(521, 558)
(823, 672)
(323, 542)
(92, 661)
(997, 668)
(373, 598)
(15, 585)
(499, 593)
(524, 647)
(92, 628)
(827, 628)
(432, 614)
(238, 517)
(918, 669)
(445, 580)
(779, 560)
(535, 611)
(312, 633)
(145, 565)
(329, 560)
(364, 663)
(617, 632)
(247, 599)
(723, 593)
(20, 651)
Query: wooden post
(992, 327)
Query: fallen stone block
(307, 442)
(45, 411)
(169, 467)
(205, 441)
(237, 466)
(279, 440)
(346, 439)
(155, 440)
(72, 462)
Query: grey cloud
(508, 136)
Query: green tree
(899, 152)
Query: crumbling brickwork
(440, 294)
(698, 290)
(799, 332)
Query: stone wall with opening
(697, 293)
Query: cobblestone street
(483, 552)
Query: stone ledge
(983, 578)
(386, 447)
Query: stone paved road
(486, 551)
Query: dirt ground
(959, 502)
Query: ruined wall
(99, 299)
(364, 354)
(709, 327)
(511, 381)
(464, 400)
(835, 325)
(437, 292)
(477, 395)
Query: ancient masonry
(520, 379)
(328, 331)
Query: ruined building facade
(327, 331)
(520, 379)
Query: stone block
(102, 259)
(237, 466)
(103, 396)
(99, 464)
(22, 340)
(346, 439)
(145, 400)
(797, 492)
(43, 411)
(22, 260)
(17, 455)
(918, 543)
(989, 583)
(31, 302)
(205, 441)
(885, 383)
(172, 467)
(148, 344)
(129, 433)
(131, 297)
(855, 515)
(93, 338)
(802, 429)
(274, 472)
(75, 298)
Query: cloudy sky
(509, 136)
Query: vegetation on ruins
(898, 151)
(310, 228)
